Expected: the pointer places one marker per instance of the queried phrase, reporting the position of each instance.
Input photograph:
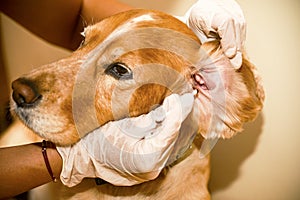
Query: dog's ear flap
(227, 98)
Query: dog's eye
(119, 71)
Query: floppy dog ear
(227, 98)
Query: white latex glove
(132, 150)
(219, 19)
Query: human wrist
(55, 161)
(51, 158)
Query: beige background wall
(261, 163)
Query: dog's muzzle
(25, 93)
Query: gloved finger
(176, 109)
(196, 19)
(227, 34)
(237, 60)
(233, 32)
(231, 42)
(185, 103)
(240, 34)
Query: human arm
(60, 22)
(23, 168)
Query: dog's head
(128, 64)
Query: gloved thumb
(230, 43)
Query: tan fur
(187, 179)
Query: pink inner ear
(199, 82)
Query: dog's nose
(25, 92)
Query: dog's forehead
(137, 30)
(110, 24)
(134, 19)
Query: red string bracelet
(45, 145)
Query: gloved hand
(219, 19)
(132, 150)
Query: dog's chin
(65, 138)
(48, 128)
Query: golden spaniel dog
(113, 55)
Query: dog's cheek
(62, 108)
(66, 108)
(147, 97)
(103, 100)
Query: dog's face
(125, 67)
(44, 98)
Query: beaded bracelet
(45, 145)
